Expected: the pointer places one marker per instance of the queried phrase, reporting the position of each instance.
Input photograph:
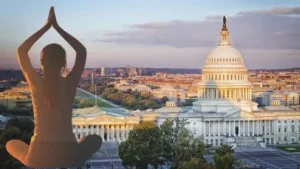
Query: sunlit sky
(155, 33)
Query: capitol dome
(224, 81)
(223, 55)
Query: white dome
(224, 55)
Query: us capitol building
(223, 114)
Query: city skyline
(175, 35)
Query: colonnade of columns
(237, 128)
(107, 132)
(224, 77)
(224, 94)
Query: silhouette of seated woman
(53, 143)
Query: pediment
(236, 114)
(242, 114)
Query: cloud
(149, 25)
(276, 28)
(274, 11)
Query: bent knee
(17, 149)
(13, 145)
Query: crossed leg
(67, 154)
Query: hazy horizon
(175, 35)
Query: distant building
(132, 72)
(102, 71)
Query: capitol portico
(223, 114)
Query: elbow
(83, 52)
(21, 50)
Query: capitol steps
(246, 141)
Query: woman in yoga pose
(53, 143)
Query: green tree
(16, 128)
(223, 158)
(195, 163)
(181, 142)
(143, 147)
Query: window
(284, 138)
(279, 121)
(293, 128)
(285, 129)
(279, 138)
(279, 129)
(284, 121)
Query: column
(97, 130)
(126, 132)
(229, 126)
(92, 130)
(204, 128)
(218, 128)
(113, 132)
(234, 128)
(270, 127)
(217, 94)
(252, 127)
(123, 132)
(260, 126)
(209, 134)
(240, 128)
(102, 132)
(244, 128)
(76, 130)
(282, 128)
(81, 131)
(221, 92)
(248, 129)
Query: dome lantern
(224, 34)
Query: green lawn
(92, 99)
(291, 148)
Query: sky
(155, 33)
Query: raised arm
(76, 45)
(23, 57)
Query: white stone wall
(108, 132)
(271, 131)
